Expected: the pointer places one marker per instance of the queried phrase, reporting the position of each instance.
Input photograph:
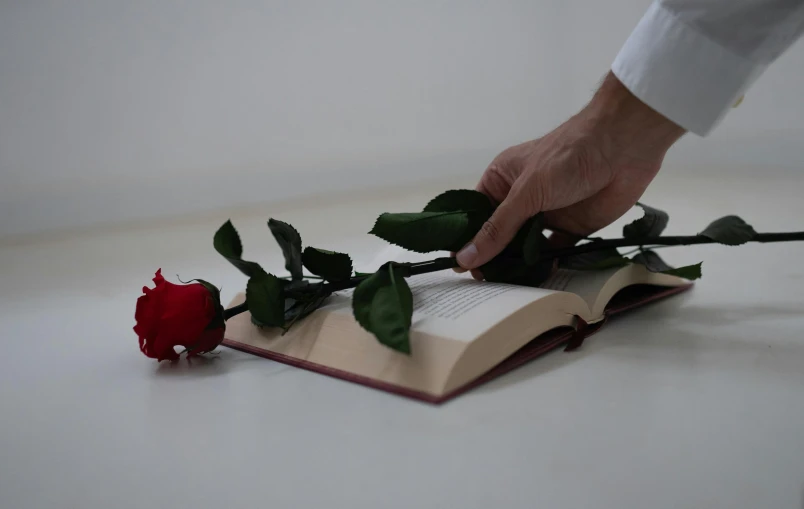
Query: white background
(696, 402)
(113, 110)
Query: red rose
(186, 315)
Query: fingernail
(467, 256)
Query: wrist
(630, 129)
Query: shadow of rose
(212, 364)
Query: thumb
(494, 235)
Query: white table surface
(694, 402)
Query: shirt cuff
(681, 73)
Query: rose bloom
(170, 315)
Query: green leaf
(690, 272)
(290, 285)
(595, 260)
(364, 294)
(329, 265)
(383, 305)
(463, 200)
(535, 239)
(296, 310)
(227, 244)
(290, 241)
(304, 302)
(425, 232)
(729, 230)
(608, 263)
(651, 224)
(227, 241)
(299, 309)
(448, 222)
(266, 299)
(392, 314)
(654, 263)
(514, 270)
(516, 248)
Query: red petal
(158, 279)
(147, 314)
(209, 340)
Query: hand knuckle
(490, 231)
(495, 183)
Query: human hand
(584, 175)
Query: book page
(597, 288)
(586, 284)
(455, 305)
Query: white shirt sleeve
(692, 60)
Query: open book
(464, 332)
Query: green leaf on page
(691, 272)
(266, 300)
(654, 263)
(296, 310)
(383, 305)
(606, 258)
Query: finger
(459, 270)
(492, 191)
(494, 235)
(494, 185)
